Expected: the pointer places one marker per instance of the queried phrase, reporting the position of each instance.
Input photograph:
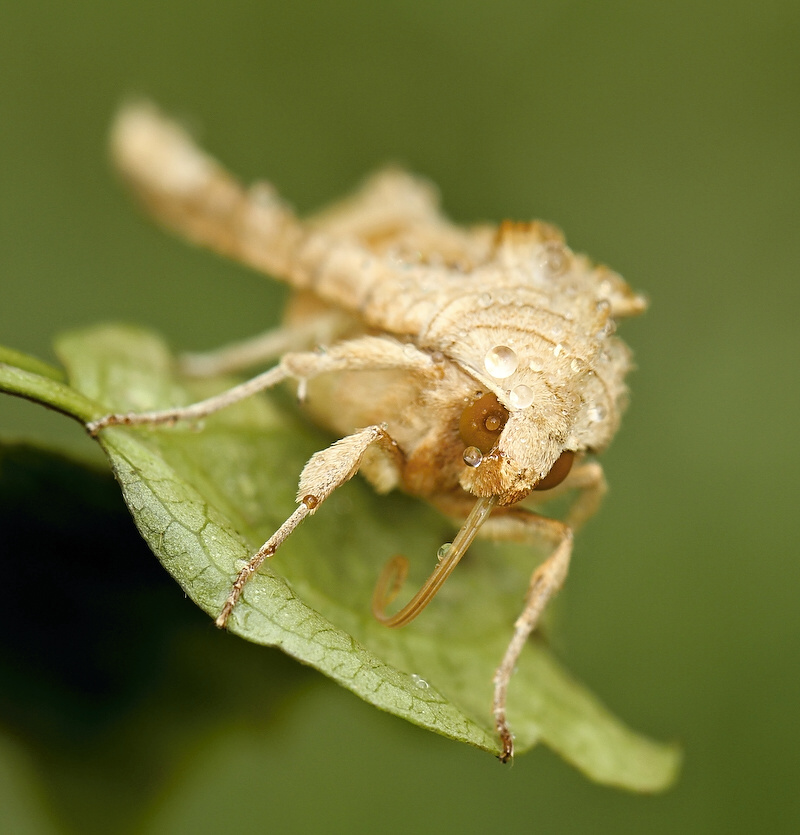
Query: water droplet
(472, 456)
(577, 365)
(521, 397)
(500, 361)
(493, 423)
(437, 357)
(554, 259)
(536, 364)
(558, 350)
(410, 350)
(310, 501)
(443, 549)
(419, 681)
(485, 299)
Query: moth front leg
(588, 482)
(517, 524)
(325, 471)
(546, 580)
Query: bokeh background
(665, 140)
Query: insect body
(470, 367)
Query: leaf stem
(45, 390)
(26, 362)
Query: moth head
(509, 453)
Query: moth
(475, 368)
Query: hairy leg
(589, 482)
(364, 353)
(545, 581)
(516, 524)
(264, 347)
(325, 471)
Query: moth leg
(362, 353)
(516, 524)
(264, 347)
(201, 409)
(325, 471)
(589, 480)
(546, 580)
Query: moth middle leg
(362, 353)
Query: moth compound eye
(558, 472)
(482, 422)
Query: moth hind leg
(308, 322)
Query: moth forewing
(469, 367)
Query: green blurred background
(665, 140)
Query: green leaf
(206, 496)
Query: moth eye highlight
(558, 472)
(482, 422)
